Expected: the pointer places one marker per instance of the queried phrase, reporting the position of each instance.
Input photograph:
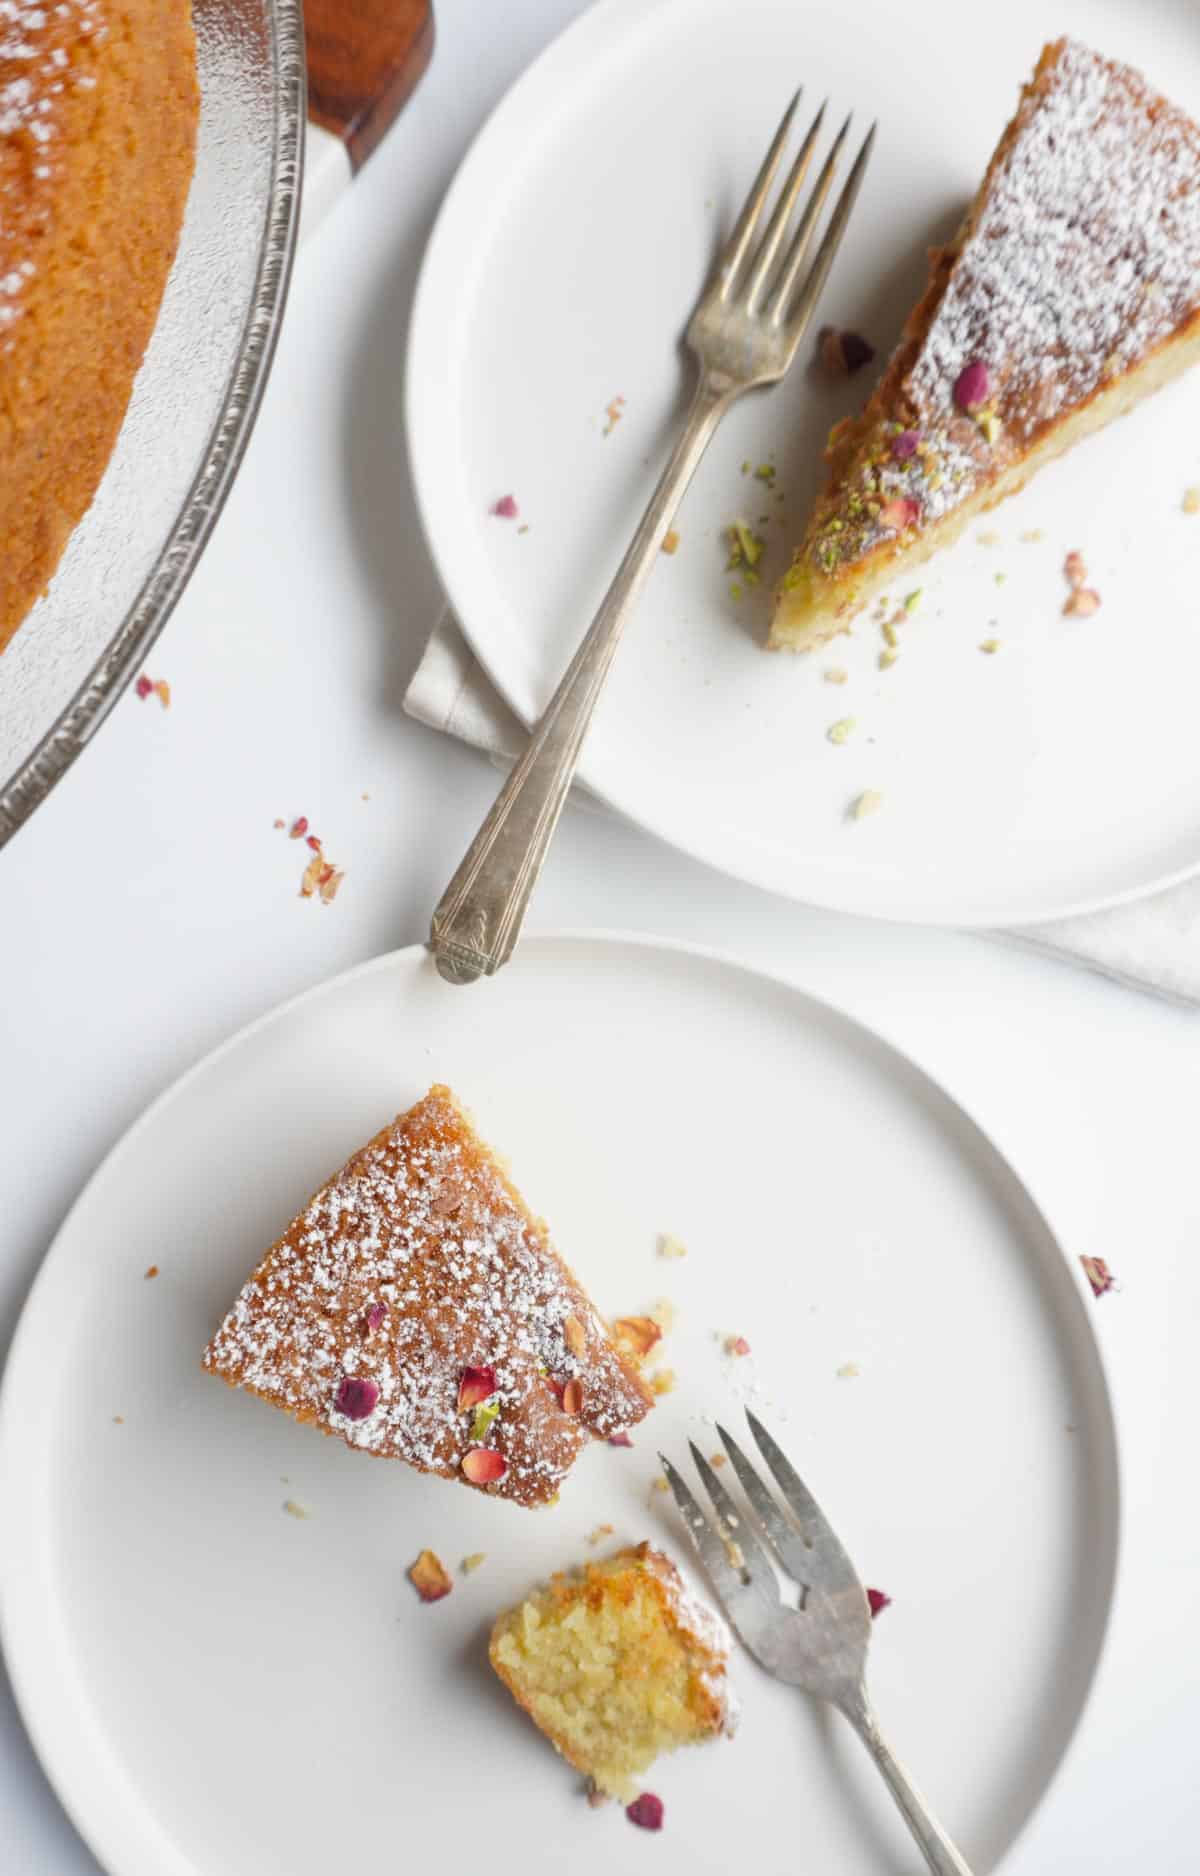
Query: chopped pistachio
(990, 645)
(765, 472)
(473, 1562)
(849, 1371)
(888, 657)
(991, 425)
(999, 578)
(735, 591)
(745, 547)
(746, 468)
(841, 731)
(912, 600)
(888, 628)
(670, 1246)
(484, 1415)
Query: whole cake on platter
(98, 112)
(1071, 290)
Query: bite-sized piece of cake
(1071, 290)
(617, 1664)
(98, 111)
(419, 1310)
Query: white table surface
(150, 908)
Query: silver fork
(821, 1645)
(744, 332)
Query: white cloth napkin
(1152, 944)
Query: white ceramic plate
(1057, 774)
(220, 1689)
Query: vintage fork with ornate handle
(820, 1646)
(744, 332)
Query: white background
(150, 908)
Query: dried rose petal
(905, 445)
(1083, 602)
(153, 1271)
(375, 1317)
(574, 1336)
(299, 827)
(636, 1334)
(143, 687)
(877, 1601)
(572, 1397)
(311, 877)
(430, 1577)
(646, 1812)
(1074, 569)
(506, 508)
(446, 1202)
(737, 1345)
(843, 353)
(162, 690)
(482, 1466)
(356, 1397)
(972, 386)
(476, 1386)
(620, 1439)
(314, 843)
(901, 512)
(1098, 1275)
(330, 883)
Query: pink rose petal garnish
(900, 513)
(620, 1439)
(476, 1386)
(877, 1601)
(905, 445)
(972, 386)
(646, 1812)
(483, 1466)
(506, 508)
(1098, 1275)
(356, 1397)
(375, 1317)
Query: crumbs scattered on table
(152, 1271)
(990, 645)
(147, 687)
(670, 541)
(745, 551)
(298, 829)
(430, 1577)
(614, 410)
(659, 1485)
(835, 674)
(869, 802)
(843, 352)
(766, 473)
(670, 1246)
(736, 1345)
(849, 1371)
(877, 1601)
(600, 1533)
(989, 538)
(596, 1798)
(891, 637)
(472, 1563)
(1191, 501)
(295, 1509)
(888, 657)
(842, 730)
(321, 879)
(636, 1335)
(506, 508)
(999, 578)
(1098, 1275)
(1034, 534)
(663, 1382)
(717, 1460)
(118, 1420)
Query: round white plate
(1056, 774)
(221, 1689)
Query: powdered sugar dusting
(423, 1222)
(1084, 257)
(44, 53)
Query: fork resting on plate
(745, 331)
(820, 1646)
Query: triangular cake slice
(419, 1310)
(1071, 290)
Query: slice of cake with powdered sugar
(418, 1309)
(1071, 291)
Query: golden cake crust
(1071, 290)
(417, 1262)
(98, 110)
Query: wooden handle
(364, 59)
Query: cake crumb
(869, 802)
(430, 1577)
(1191, 501)
(663, 1382)
(849, 1371)
(295, 1509)
(473, 1562)
(989, 538)
(888, 657)
(835, 674)
(659, 1485)
(118, 1420)
(670, 541)
(717, 1460)
(152, 1271)
(600, 1533)
(614, 410)
(670, 1246)
(1034, 534)
(1082, 603)
(841, 731)
(990, 645)
(842, 352)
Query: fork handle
(937, 1849)
(479, 916)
